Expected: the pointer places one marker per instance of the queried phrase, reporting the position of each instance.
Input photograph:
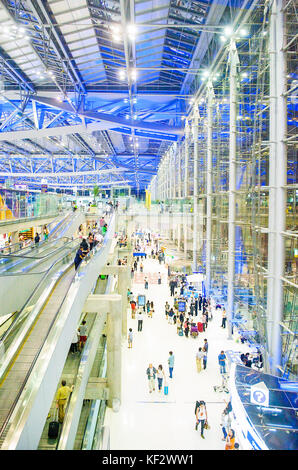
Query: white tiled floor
(154, 421)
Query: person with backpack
(201, 417)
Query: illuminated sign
(259, 394)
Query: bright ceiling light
(131, 31)
(228, 31)
(127, 116)
(116, 32)
(133, 74)
(122, 74)
(243, 32)
(223, 38)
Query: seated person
(248, 360)
(243, 358)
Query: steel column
(210, 104)
(233, 59)
(277, 182)
(195, 123)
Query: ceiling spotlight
(131, 31)
(133, 74)
(122, 74)
(243, 32)
(228, 31)
(127, 116)
(223, 38)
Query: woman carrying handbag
(201, 417)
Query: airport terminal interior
(148, 225)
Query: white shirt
(200, 354)
(201, 413)
(160, 374)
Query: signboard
(141, 300)
(181, 306)
(44, 188)
(259, 394)
(139, 254)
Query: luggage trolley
(224, 385)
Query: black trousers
(140, 325)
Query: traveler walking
(83, 334)
(146, 283)
(159, 279)
(171, 361)
(205, 352)
(224, 319)
(199, 357)
(204, 359)
(222, 362)
(129, 338)
(37, 238)
(225, 423)
(151, 375)
(140, 319)
(160, 377)
(62, 396)
(201, 417)
(167, 309)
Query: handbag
(206, 425)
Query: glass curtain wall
(236, 251)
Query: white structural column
(210, 103)
(186, 154)
(277, 182)
(114, 327)
(233, 59)
(195, 123)
(179, 155)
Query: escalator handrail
(68, 239)
(59, 224)
(2, 338)
(6, 421)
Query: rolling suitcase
(200, 327)
(54, 427)
(166, 390)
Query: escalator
(32, 349)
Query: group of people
(192, 318)
(45, 232)
(159, 374)
(140, 311)
(95, 237)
